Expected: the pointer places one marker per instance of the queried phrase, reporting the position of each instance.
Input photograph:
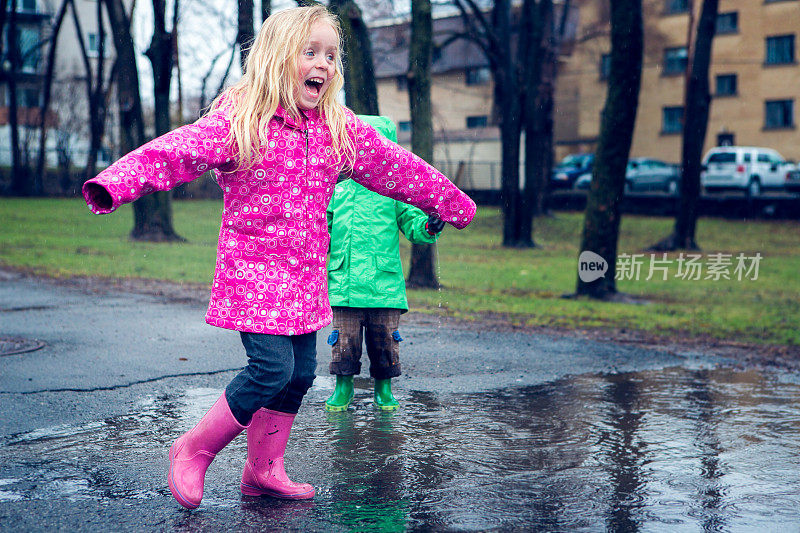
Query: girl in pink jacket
(277, 141)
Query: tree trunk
(602, 219)
(245, 33)
(266, 10)
(360, 89)
(493, 37)
(161, 58)
(95, 90)
(20, 184)
(695, 125)
(47, 85)
(177, 62)
(3, 14)
(537, 24)
(507, 104)
(130, 104)
(152, 214)
(423, 256)
(549, 79)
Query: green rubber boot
(342, 394)
(383, 395)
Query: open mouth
(314, 86)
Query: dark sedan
(567, 171)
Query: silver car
(644, 174)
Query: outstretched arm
(413, 223)
(391, 170)
(161, 164)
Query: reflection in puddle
(674, 449)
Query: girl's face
(317, 65)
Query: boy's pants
(280, 370)
(378, 326)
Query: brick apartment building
(755, 83)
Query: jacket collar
(311, 115)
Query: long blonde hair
(271, 78)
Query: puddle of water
(664, 450)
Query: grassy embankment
(62, 238)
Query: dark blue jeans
(280, 370)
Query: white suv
(746, 168)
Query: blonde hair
(271, 78)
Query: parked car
(644, 174)
(567, 171)
(747, 168)
(792, 182)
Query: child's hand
(434, 224)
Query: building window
(672, 120)
(28, 97)
(728, 22)
(676, 6)
(479, 121)
(725, 85)
(29, 49)
(605, 66)
(402, 82)
(675, 60)
(26, 5)
(404, 126)
(93, 45)
(779, 114)
(780, 50)
(477, 75)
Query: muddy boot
(342, 394)
(264, 474)
(383, 395)
(192, 453)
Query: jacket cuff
(98, 198)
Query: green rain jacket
(364, 268)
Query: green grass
(62, 238)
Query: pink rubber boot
(191, 454)
(263, 472)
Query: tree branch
(479, 36)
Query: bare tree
(47, 84)
(68, 105)
(3, 13)
(227, 73)
(245, 33)
(546, 33)
(493, 36)
(602, 219)
(153, 213)
(20, 184)
(97, 88)
(360, 88)
(695, 125)
(537, 22)
(161, 54)
(423, 256)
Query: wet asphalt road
(86, 422)
(105, 351)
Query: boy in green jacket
(366, 287)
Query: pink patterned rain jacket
(270, 273)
